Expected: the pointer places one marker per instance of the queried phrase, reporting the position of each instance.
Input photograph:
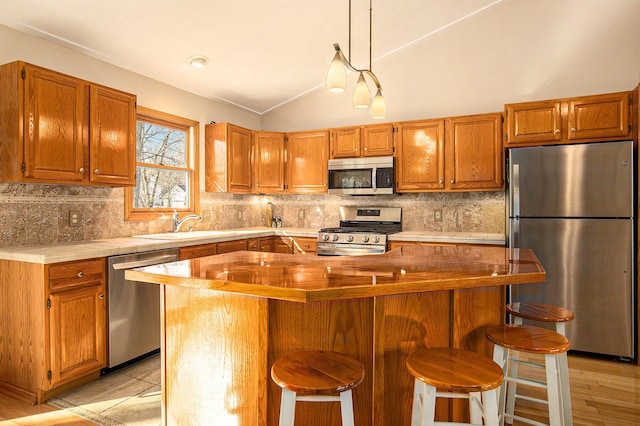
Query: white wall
(515, 51)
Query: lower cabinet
(53, 327)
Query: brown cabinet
(55, 318)
(268, 158)
(228, 165)
(363, 141)
(61, 129)
(229, 246)
(473, 153)
(264, 244)
(77, 319)
(420, 156)
(201, 250)
(582, 119)
(307, 162)
(454, 154)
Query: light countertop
(68, 251)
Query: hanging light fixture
(337, 77)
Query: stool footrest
(531, 382)
(525, 420)
(318, 398)
(527, 363)
(532, 399)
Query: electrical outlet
(300, 214)
(437, 215)
(75, 219)
(239, 214)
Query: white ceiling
(262, 53)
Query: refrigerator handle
(514, 243)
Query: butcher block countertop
(69, 251)
(407, 269)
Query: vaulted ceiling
(261, 53)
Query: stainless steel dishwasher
(134, 308)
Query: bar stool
(554, 347)
(454, 373)
(539, 312)
(316, 376)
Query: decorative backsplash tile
(33, 214)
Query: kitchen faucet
(177, 223)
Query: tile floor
(129, 396)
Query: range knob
(350, 238)
(376, 239)
(335, 237)
(365, 239)
(325, 237)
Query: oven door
(331, 249)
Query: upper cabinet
(268, 158)
(228, 166)
(362, 141)
(583, 119)
(307, 162)
(453, 154)
(420, 156)
(473, 159)
(60, 129)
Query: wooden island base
(219, 343)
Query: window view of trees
(162, 177)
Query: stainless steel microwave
(362, 176)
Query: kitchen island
(228, 318)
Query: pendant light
(337, 77)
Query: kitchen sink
(194, 235)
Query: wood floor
(603, 393)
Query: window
(166, 166)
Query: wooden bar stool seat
(454, 373)
(540, 312)
(553, 346)
(316, 376)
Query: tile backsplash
(33, 214)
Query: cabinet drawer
(63, 276)
(306, 245)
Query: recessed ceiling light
(198, 61)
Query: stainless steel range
(363, 230)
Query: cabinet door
(474, 152)
(77, 324)
(54, 119)
(230, 246)
(307, 162)
(420, 156)
(345, 142)
(227, 158)
(599, 117)
(533, 122)
(113, 137)
(201, 250)
(377, 140)
(269, 162)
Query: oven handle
(347, 251)
(145, 262)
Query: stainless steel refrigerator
(574, 205)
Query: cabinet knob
(366, 149)
(81, 170)
(96, 171)
(573, 129)
(441, 181)
(101, 296)
(453, 181)
(80, 274)
(557, 131)
(357, 149)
